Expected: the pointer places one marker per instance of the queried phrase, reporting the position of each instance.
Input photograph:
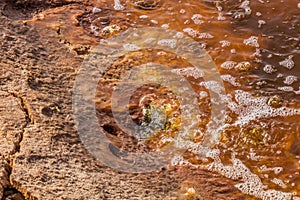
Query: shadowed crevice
(9, 191)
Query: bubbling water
(244, 105)
(246, 51)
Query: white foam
(143, 17)
(286, 88)
(179, 35)
(269, 69)
(131, 47)
(276, 170)
(273, 194)
(288, 62)
(251, 108)
(246, 6)
(221, 17)
(230, 79)
(205, 35)
(219, 8)
(118, 5)
(279, 182)
(279, 75)
(182, 11)
(154, 21)
(203, 94)
(197, 19)
(189, 71)
(96, 10)
(187, 22)
(161, 53)
(225, 43)
(248, 11)
(289, 80)
(260, 23)
(253, 156)
(94, 29)
(251, 183)
(177, 160)
(111, 28)
(166, 26)
(212, 86)
(258, 14)
(171, 43)
(252, 41)
(228, 64)
(191, 32)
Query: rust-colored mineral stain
(256, 42)
(146, 98)
(295, 148)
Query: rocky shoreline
(41, 154)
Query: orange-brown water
(267, 145)
(256, 48)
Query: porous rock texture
(41, 156)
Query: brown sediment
(295, 148)
(51, 162)
(43, 157)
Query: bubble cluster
(96, 10)
(241, 57)
(287, 63)
(228, 64)
(189, 72)
(269, 69)
(289, 80)
(197, 19)
(286, 89)
(171, 43)
(279, 182)
(230, 79)
(225, 43)
(246, 6)
(251, 183)
(251, 108)
(205, 35)
(156, 130)
(260, 23)
(252, 41)
(118, 5)
(276, 170)
(191, 32)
